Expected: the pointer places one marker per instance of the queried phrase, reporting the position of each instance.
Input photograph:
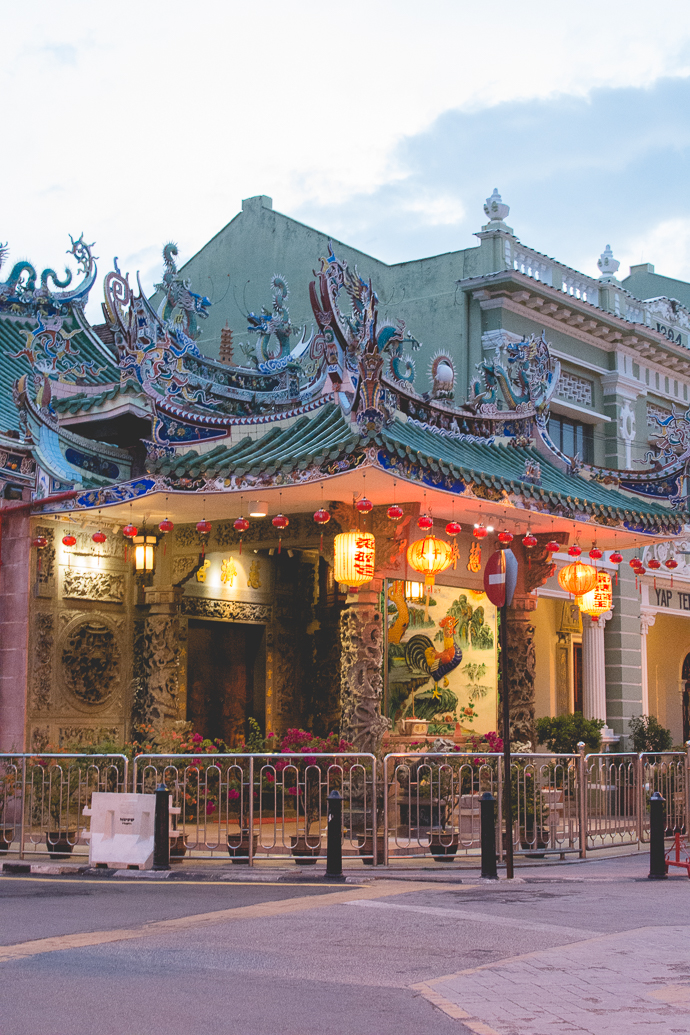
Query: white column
(647, 620)
(594, 668)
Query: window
(572, 437)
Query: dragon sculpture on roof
(524, 372)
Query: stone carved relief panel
(45, 562)
(226, 610)
(90, 659)
(361, 693)
(522, 664)
(104, 586)
(42, 661)
(161, 668)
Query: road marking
(282, 907)
(484, 918)
(453, 1010)
(107, 882)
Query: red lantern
(280, 522)
(635, 563)
(99, 537)
(129, 531)
(529, 540)
(505, 536)
(640, 570)
(654, 564)
(395, 512)
(321, 517)
(553, 546)
(166, 525)
(364, 506)
(480, 531)
(595, 554)
(671, 563)
(574, 550)
(240, 525)
(203, 527)
(615, 557)
(453, 528)
(425, 522)
(39, 542)
(68, 540)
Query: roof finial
(608, 266)
(495, 208)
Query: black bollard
(334, 845)
(488, 834)
(161, 829)
(657, 827)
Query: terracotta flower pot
(443, 846)
(305, 853)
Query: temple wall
(668, 644)
(14, 616)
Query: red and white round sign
(500, 577)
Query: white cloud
(666, 246)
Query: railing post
(582, 772)
(385, 811)
(657, 825)
(334, 843)
(639, 797)
(488, 835)
(374, 813)
(250, 849)
(161, 829)
(687, 789)
(499, 795)
(23, 810)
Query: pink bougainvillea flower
(270, 778)
(210, 808)
(233, 794)
(197, 738)
(292, 790)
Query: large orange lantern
(354, 555)
(429, 556)
(578, 578)
(599, 600)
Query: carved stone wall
(93, 585)
(521, 670)
(361, 684)
(161, 667)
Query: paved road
(587, 949)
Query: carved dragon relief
(361, 684)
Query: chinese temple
(200, 528)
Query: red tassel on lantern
(322, 517)
(240, 525)
(280, 522)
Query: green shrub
(563, 732)
(648, 734)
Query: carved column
(161, 654)
(647, 620)
(361, 685)
(534, 568)
(594, 667)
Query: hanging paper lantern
(577, 578)
(354, 556)
(429, 556)
(203, 527)
(635, 563)
(505, 536)
(166, 525)
(640, 570)
(364, 506)
(425, 522)
(480, 531)
(574, 550)
(553, 546)
(529, 540)
(454, 528)
(68, 540)
(595, 554)
(653, 563)
(615, 557)
(395, 512)
(99, 537)
(240, 524)
(599, 599)
(280, 522)
(321, 517)
(671, 563)
(39, 542)
(129, 531)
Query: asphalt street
(385, 957)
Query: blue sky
(386, 124)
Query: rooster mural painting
(420, 666)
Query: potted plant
(9, 785)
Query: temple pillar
(161, 654)
(594, 668)
(361, 684)
(647, 620)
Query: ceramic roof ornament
(608, 266)
(495, 208)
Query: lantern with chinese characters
(577, 578)
(429, 556)
(321, 517)
(354, 555)
(395, 512)
(599, 599)
(240, 525)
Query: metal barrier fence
(279, 799)
(254, 807)
(42, 798)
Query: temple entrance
(225, 678)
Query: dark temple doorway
(225, 679)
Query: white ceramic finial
(495, 208)
(608, 266)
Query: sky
(386, 124)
